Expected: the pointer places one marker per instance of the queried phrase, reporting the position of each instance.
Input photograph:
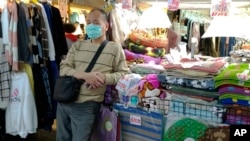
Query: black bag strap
(96, 56)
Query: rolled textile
(150, 51)
(144, 38)
(130, 56)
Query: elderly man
(75, 120)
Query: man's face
(97, 18)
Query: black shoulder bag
(67, 88)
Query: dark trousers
(75, 120)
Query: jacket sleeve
(67, 66)
(59, 39)
(120, 67)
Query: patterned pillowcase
(184, 129)
(216, 134)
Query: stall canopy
(197, 4)
(229, 26)
(184, 4)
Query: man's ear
(107, 26)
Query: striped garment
(51, 47)
(39, 36)
(140, 125)
(111, 62)
(44, 36)
(12, 50)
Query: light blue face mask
(93, 31)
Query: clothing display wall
(32, 43)
(194, 25)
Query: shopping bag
(110, 95)
(140, 125)
(106, 125)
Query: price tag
(134, 119)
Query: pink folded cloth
(130, 56)
(205, 66)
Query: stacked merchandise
(241, 52)
(138, 123)
(193, 108)
(234, 89)
(134, 89)
(183, 90)
(144, 51)
(192, 77)
(146, 48)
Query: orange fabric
(246, 46)
(143, 38)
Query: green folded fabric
(219, 83)
(238, 66)
(194, 92)
(235, 96)
(231, 72)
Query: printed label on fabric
(220, 8)
(15, 95)
(127, 4)
(134, 119)
(173, 5)
(239, 132)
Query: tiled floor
(41, 135)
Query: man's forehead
(94, 15)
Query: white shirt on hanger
(5, 23)
(21, 114)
